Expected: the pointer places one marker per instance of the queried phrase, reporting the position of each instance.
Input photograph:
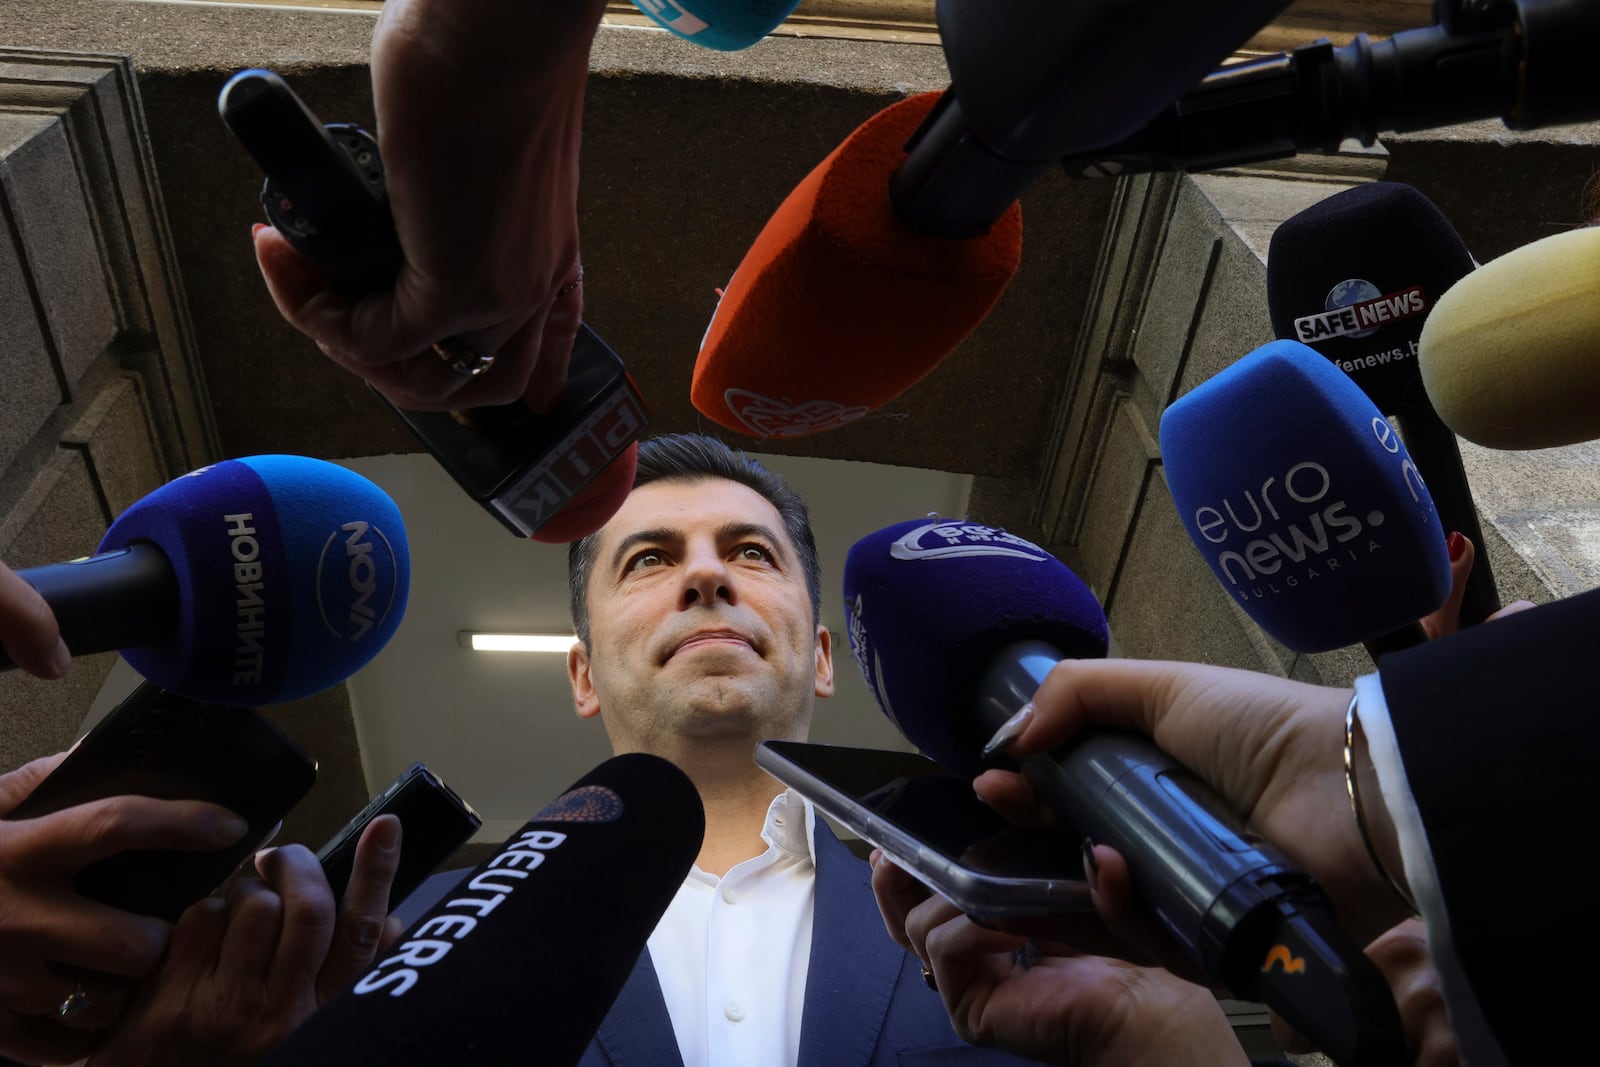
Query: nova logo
(1281, 956)
(953, 540)
(357, 579)
(1355, 308)
(862, 652)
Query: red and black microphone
(554, 477)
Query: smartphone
(933, 826)
(434, 822)
(158, 744)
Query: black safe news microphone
(955, 625)
(555, 477)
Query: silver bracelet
(1351, 723)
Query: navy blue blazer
(866, 1004)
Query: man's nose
(706, 578)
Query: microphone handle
(1259, 927)
(114, 600)
(1433, 448)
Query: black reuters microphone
(520, 962)
(555, 477)
(955, 625)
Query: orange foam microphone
(788, 352)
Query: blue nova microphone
(522, 960)
(1305, 503)
(251, 581)
(955, 625)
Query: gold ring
(75, 1004)
(573, 284)
(461, 358)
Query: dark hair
(690, 457)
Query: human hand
(485, 207)
(56, 945)
(1447, 620)
(1401, 954)
(1050, 1001)
(1272, 748)
(245, 971)
(28, 629)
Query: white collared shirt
(732, 953)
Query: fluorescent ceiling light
(481, 642)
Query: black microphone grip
(326, 191)
(1433, 447)
(1255, 924)
(121, 599)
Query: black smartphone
(933, 826)
(159, 744)
(434, 822)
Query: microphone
(1526, 62)
(555, 477)
(725, 25)
(955, 625)
(251, 581)
(1355, 276)
(1509, 354)
(530, 951)
(1305, 503)
(900, 242)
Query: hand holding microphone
(485, 208)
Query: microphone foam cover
(929, 603)
(522, 960)
(725, 25)
(595, 503)
(839, 306)
(292, 574)
(1303, 500)
(1511, 355)
(1354, 277)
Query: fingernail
(230, 828)
(1457, 545)
(874, 857)
(1009, 731)
(263, 853)
(60, 659)
(1091, 866)
(255, 230)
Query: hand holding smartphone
(929, 822)
(161, 745)
(434, 822)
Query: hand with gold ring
(68, 964)
(486, 211)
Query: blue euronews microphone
(725, 25)
(1305, 504)
(956, 624)
(250, 581)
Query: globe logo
(1352, 291)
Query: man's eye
(754, 554)
(646, 559)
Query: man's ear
(584, 698)
(824, 686)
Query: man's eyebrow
(661, 535)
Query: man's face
(699, 622)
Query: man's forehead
(688, 505)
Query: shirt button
(733, 1011)
(729, 896)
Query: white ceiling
(499, 727)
